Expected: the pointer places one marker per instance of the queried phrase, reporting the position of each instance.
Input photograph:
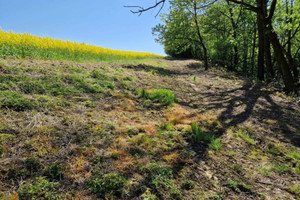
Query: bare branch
(206, 5)
(294, 34)
(223, 14)
(139, 9)
(247, 6)
(272, 9)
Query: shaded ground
(98, 129)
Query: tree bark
(253, 51)
(278, 49)
(205, 57)
(288, 53)
(245, 56)
(267, 49)
(268, 59)
(261, 50)
(279, 55)
(234, 35)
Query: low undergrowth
(83, 131)
(162, 96)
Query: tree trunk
(245, 56)
(205, 57)
(269, 30)
(288, 53)
(268, 59)
(261, 50)
(234, 35)
(267, 49)
(279, 55)
(253, 51)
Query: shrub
(200, 135)
(154, 169)
(83, 84)
(265, 172)
(108, 183)
(281, 168)
(39, 189)
(294, 154)
(188, 184)
(97, 75)
(216, 144)
(162, 96)
(32, 165)
(53, 172)
(159, 179)
(273, 150)
(15, 101)
(239, 185)
(167, 126)
(297, 168)
(246, 137)
(295, 189)
(147, 195)
(31, 86)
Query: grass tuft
(107, 183)
(15, 101)
(39, 189)
(200, 135)
(162, 96)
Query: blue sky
(100, 22)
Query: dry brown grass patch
(172, 158)
(44, 145)
(121, 143)
(150, 129)
(179, 115)
(79, 168)
(124, 160)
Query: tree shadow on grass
(163, 71)
(251, 103)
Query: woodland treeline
(258, 38)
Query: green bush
(109, 183)
(273, 150)
(246, 137)
(97, 75)
(32, 165)
(39, 189)
(297, 168)
(159, 179)
(238, 185)
(187, 184)
(162, 96)
(294, 154)
(83, 84)
(216, 144)
(200, 135)
(281, 168)
(154, 169)
(15, 101)
(147, 195)
(53, 172)
(32, 86)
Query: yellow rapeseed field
(27, 45)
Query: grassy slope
(83, 127)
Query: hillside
(155, 129)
